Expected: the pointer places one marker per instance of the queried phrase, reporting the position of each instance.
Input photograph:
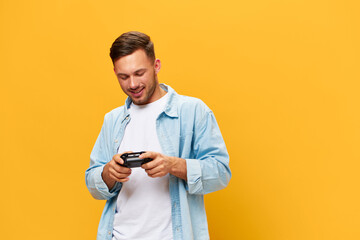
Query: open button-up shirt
(187, 129)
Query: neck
(159, 92)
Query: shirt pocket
(186, 144)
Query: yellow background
(282, 78)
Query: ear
(157, 65)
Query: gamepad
(132, 160)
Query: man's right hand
(113, 172)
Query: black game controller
(132, 160)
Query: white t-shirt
(143, 208)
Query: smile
(137, 93)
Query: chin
(139, 101)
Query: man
(162, 199)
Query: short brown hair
(129, 42)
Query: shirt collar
(170, 107)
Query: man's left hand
(162, 165)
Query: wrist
(178, 168)
(106, 178)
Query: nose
(134, 84)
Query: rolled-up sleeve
(209, 171)
(100, 155)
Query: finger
(148, 155)
(153, 163)
(156, 162)
(120, 179)
(120, 169)
(158, 174)
(150, 165)
(117, 159)
(118, 175)
(155, 170)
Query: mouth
(137, 93)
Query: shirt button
(116, 140)
(177, 229)
(109, 233)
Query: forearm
(96, 185)
(110, 183)
(179, 168)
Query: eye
(139, 74)
(123, 77)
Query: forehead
(133, 62)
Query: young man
(162, 199)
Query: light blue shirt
(187, 129)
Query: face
(137, 76)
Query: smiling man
(137, 75)
(162, 199)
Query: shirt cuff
(99, 182)
(194, 182)
(101, 185)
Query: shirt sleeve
(209, 171)
(100, 155)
